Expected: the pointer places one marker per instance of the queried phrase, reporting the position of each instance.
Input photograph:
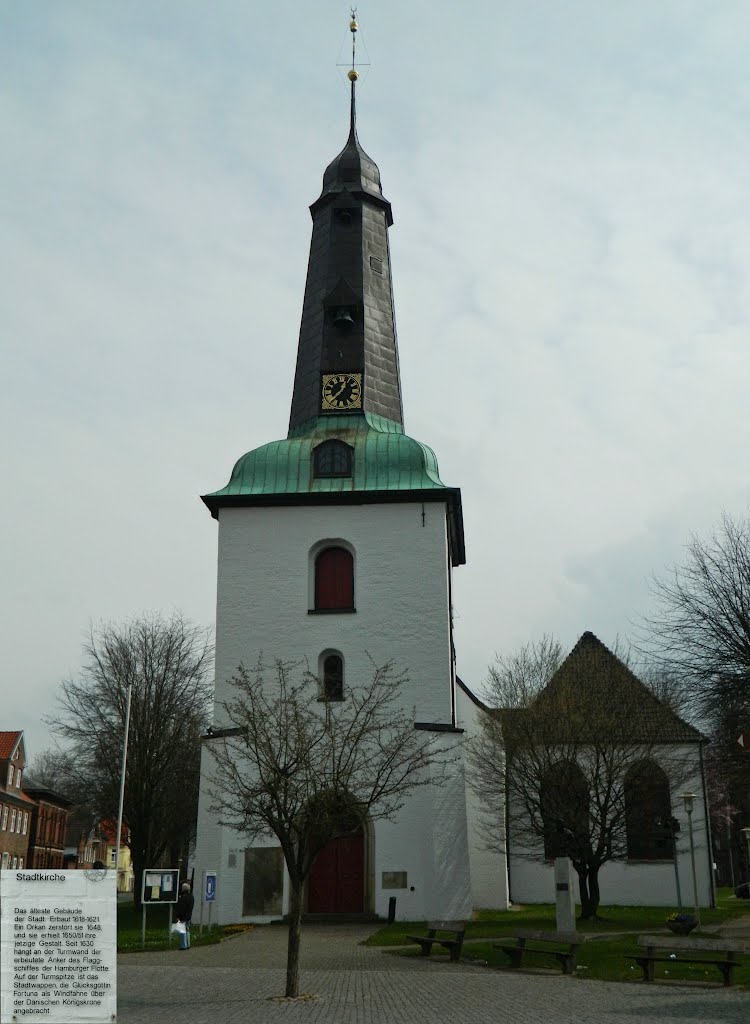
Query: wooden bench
(542, 944)
(452, 937)
(659, 947)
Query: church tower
(336, 545)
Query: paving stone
(356, 984)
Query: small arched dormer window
(334, 580)
(332, 458)
(332, 676)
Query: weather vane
(353, 74)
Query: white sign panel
(58, 946)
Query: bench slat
(539, 936)
(688, 944)
(454, 944)
(566, 958)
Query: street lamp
(688, 799)
(670, 827)
(746, 833)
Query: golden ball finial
(353, 26)
(353, 75)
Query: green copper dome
(384, 459)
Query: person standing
(185, 905)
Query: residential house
(49, 823)
(16, 807)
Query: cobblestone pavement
(355, 984)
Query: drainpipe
(709, 841)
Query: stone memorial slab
(565, 903)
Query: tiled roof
(592, 672)
(8, 741)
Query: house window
(10, 775)
(25, 821)
(20, 863)
(18, 778)
(15, 862)
(333, 676)
(564, 807)
(5, 860)
(648, 813)
(5, 817)
(334, 580)
(331, 459)
(13, 820)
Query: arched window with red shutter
(334, 580)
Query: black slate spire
(348, 323)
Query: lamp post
(671, 827)
(746, 833)
(122, 786)
(688, 799)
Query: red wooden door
(337, 879)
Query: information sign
(58, 946)
(160, 885)
(209, 886)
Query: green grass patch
(605, 960)
(603, 956)
(129, 925)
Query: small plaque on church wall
(394, 880)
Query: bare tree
(700, 629)
(55, 768)
(572, 748)
(304, 771)
(166, 662)
(701, 625)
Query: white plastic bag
(179, 927)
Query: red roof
(8, 741)
(109, 831)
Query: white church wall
(401, 587)
(221, 849)
(402, 615)
(634, 883)
(488, 867)
(428, 841)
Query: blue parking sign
(209, 887)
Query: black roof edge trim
(472, 696)
(216, 734)
(437, 727)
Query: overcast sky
(570, 255)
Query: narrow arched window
(334, 580)
(648, 813)
(331, 459)
(333, 677)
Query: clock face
(341, 391)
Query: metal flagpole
(122, 782)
